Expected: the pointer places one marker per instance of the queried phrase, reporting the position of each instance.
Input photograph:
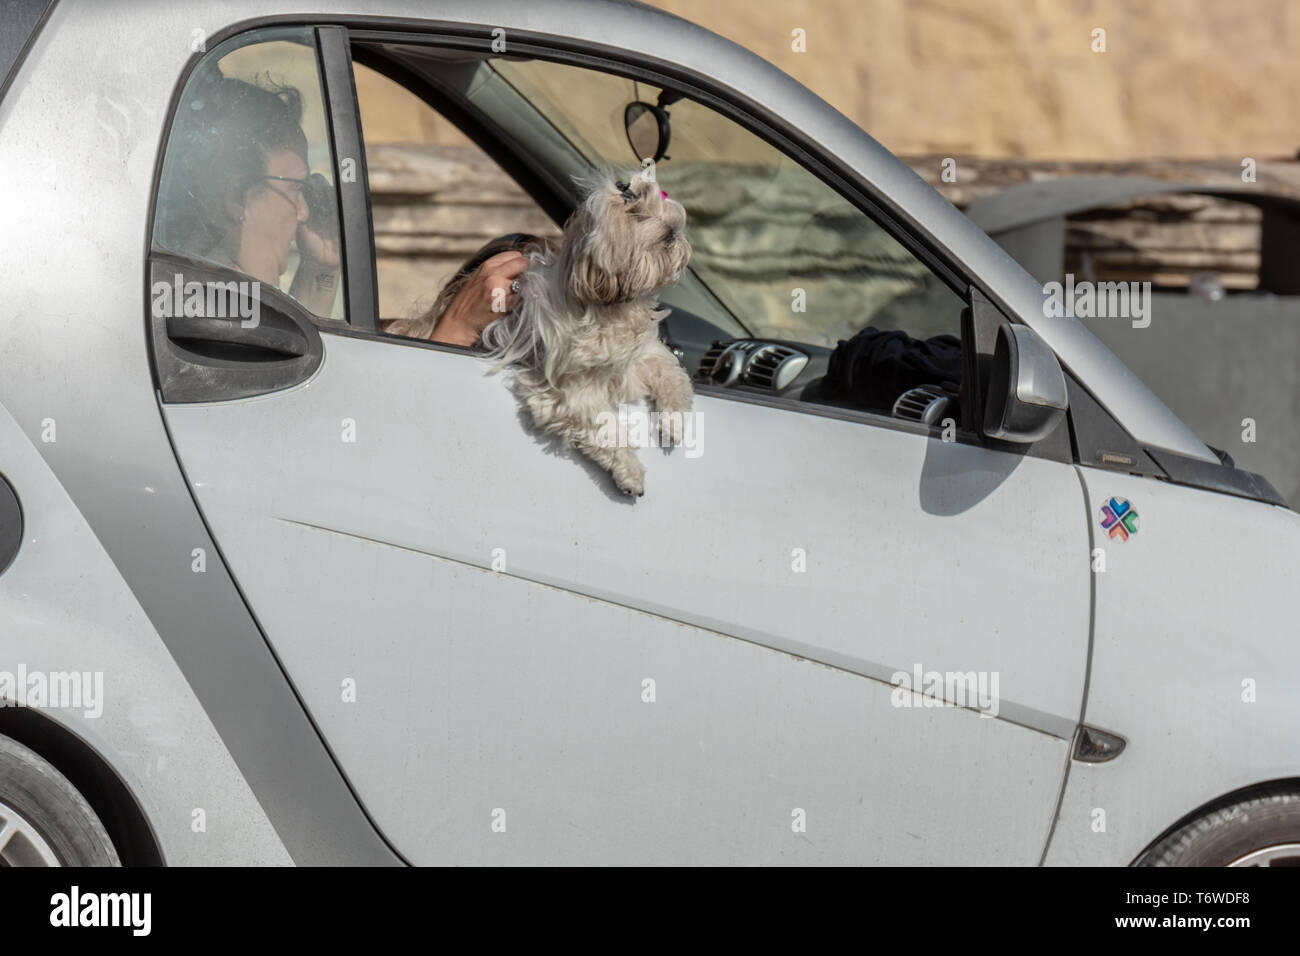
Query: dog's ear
(591, 281)
(592, 238)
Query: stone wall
(434, 207)
(1019, 78)
(1014, 78)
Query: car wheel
(1261, 831)
(44, 821)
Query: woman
(235, 192)
(234, 188)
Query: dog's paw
(629, 475)
(672, 428)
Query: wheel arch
(113, 802)
(1290, 784)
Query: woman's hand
(485, 297)
(317, 278)
(320, 250)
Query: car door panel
(520, 689)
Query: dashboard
(780, 368)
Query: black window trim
(347, 142)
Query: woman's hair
(224, 131)
(421, 326)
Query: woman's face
(273, 208)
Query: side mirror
(1026, 395)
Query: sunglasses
(300, 183)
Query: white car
(328, 600)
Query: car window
(436, 200)
(785, 254)
(248, 178)
(778, 254)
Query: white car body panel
(1202, 598)
(66, 609)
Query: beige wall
(391, 114)
(1018, 78)
(1179, 78)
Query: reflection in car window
(248, 179)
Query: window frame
(356, 222)
(363, 44)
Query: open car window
(782, 252)
(792, 291)
(436, 200)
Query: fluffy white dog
(585, 336)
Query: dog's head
(626, 241)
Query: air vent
(722, 363)
(926, 404)
(710, 360)
(774, 367)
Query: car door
(755, 662)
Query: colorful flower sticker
(1119, 518)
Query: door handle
(286, 342)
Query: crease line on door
(1030, 718)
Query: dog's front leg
(670, 389)
(591, 431)
(608, 448)
(622, 463)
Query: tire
(1263, 830)
(44, 821)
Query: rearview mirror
(647, 130)
(1026, 396)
